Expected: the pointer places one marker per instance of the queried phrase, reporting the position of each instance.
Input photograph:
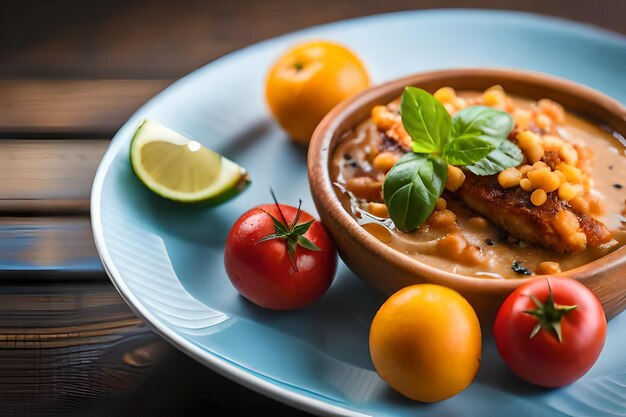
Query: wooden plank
(48, 244)
(48, 176)
(70, 347)
(172, 38)
(79, 107)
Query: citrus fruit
(180, 169)
(308, 81)
(425, 342)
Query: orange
(425, 342)
(308, 81)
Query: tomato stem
(548, 314)
(293, 233)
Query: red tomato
(542, 358)
(263, 271)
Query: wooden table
(72, 72)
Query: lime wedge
(181, 169)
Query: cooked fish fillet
(511, 210)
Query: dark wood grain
(166, 39)
(70, 347)
(36, 175)
(71, 107)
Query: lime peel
(181, 169)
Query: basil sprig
(416, 177)
(476, 138)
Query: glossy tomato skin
(264, 274)
(543, 360)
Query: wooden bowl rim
(321, 184)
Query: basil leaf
(412, 188)
(467, 150)
(425, 120)
(490, 125)
(505, 156)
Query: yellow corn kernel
(378, 209)
(526, 184)
(568, 153)
(445, 94)
(384, 161)
(477, 222)
(543, 121)
(456, 177)
(530, 144)
(551, 109)
(509, 178)
(494, 98)
(538, 165)
(441, 204)
(538, 197)
(567, 191)
(548, 268)
(572, 174)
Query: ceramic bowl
(390, 270)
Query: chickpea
(441, 218)
(526, 185)
(455, 180)
(567, 191)
(524, 169)
(509, 178)
(551, 109)
(441, 204)
(445, 94)
(459, 103)
(379, 231)
(568, 227)
(580, 204)
(494, 98)
(548, 268)
(538, 197)
(530, 144)
(596, 207)
(384, 161)
(543, 178)
(522, 118)
(543, 121)
(477, 223)
(472, 255)
(568, 153)
(451, 246)
(365, 187)
(378, 210)
(572, 174)
(383, 118)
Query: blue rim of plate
(225, 367)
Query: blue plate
(166, 259)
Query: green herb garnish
(476, 138)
